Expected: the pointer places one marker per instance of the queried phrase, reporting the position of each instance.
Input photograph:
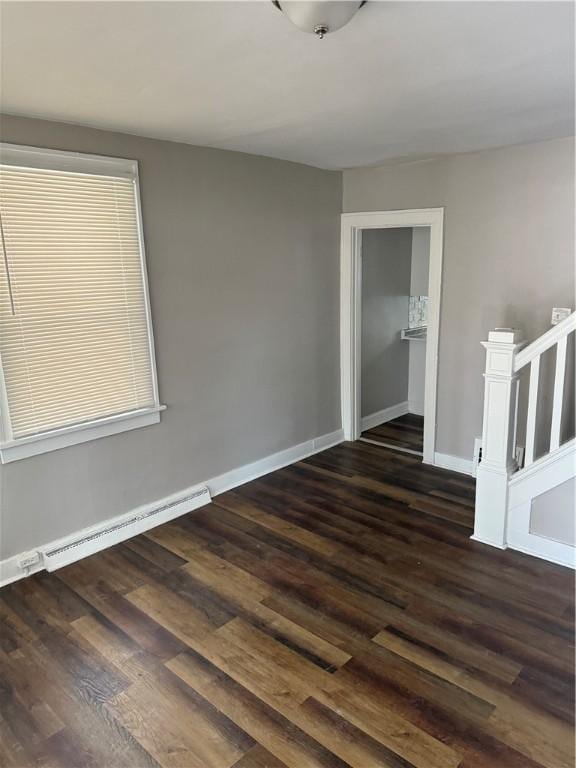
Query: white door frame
(351, 309)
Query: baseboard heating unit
(121, 528)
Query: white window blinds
(75, 343)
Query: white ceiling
(404, 79)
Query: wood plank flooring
(405, 431)
(334, 613)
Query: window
(76, 349)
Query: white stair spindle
(558, 393)
(532, 407)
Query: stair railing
(531, 355)
(506, 357)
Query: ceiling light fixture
(320, 17)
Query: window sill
(79, 433)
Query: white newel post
(498, 437)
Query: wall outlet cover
(559, 314)
(29, 560)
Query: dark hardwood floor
(334, 613)
(405, 432)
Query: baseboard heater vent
(124, 527)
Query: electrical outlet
(477, 456)
(29, 560)
(559, 314)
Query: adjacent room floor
(334, 613)
(406, 432)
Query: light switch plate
(559, 314)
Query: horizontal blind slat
(77, 346)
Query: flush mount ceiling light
(319, 17)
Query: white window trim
(74, 434)
(78, 433)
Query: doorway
(394, 302)
(393, 423)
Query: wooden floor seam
(404, 433)
(332, 613)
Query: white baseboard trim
(537, 546)
(241, 475)
(87, 541)
(546, 549)
(455, 463)
(416, 407)
(387, 414)
(488, 542)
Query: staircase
(525, 480)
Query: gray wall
(508, 256)
(243, 262)
(417, 349)
(386, 257)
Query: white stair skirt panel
(522, 539)
(505, 494)
(56, 554)
(543, 475)
(387, 414)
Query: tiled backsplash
(417, 311)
